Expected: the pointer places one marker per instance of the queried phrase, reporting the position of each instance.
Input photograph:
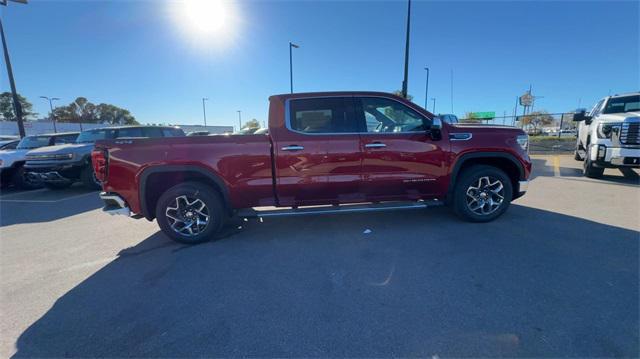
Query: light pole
(204, 111)
(406, 53)
(434, 105)
(426, 89)
(53, 117)
(291, 47)
(17, 106)
(239, 120)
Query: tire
(486, 181)
(588, 169)
(178, 207)
(21, 181)
(57, 185)
(88, 178)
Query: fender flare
(474, 155)
(144, 176)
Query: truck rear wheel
(482, 194)
(190, 212)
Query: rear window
(172, 132)
(94, 135)
(60, 140)
(130, 132)
(323, 115)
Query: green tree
(114, 115)
(471, 117)
(6, 107)
(534, 121)
(253, 123)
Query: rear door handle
(375, 145)
(293, 148)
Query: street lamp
(291, 47)
(239, 120)
(17, 106)
(426, 89)
(52, 117)
(204, 111)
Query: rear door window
(172, 132)
(152, 132)
(322, 115)
(59, 140)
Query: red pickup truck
(324, 152)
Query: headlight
(606, 129)
(523, 141)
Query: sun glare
(209, 21)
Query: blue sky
(135, 54)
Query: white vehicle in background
(12, 160)
(609, 135)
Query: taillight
(99, 161)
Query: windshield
(33, 142)
(94, 135)
(623, 104)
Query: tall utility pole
(239, 120)
(291, 47)
(406, 52)
(426, 89)
(53, 117)
(17, 106)
(451, 91)
(204, 111)
(434, 105)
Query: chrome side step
(347, 208)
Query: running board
(347, 208)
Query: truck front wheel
(190, 212)
(482, 193)
(588, 169)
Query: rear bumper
(114, 204)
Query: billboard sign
(483, 115)
(526, 99)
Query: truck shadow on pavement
(532, 283)
(46, 205)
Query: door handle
(292, 148)
(375, 145)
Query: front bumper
(604, 156)
(55, 172)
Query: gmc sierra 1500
(324, 152)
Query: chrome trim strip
(349, 208)
(292, 148)
(375, 145)
(523, 186)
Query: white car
(609, 135)
(12, 160)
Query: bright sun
(206, 20)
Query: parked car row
(58, 160)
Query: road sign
(526, 99)
(483, 115)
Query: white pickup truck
(609, 135)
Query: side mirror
(435, 129)
(581, 115)
(436, 124)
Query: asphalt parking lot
(557, 275)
